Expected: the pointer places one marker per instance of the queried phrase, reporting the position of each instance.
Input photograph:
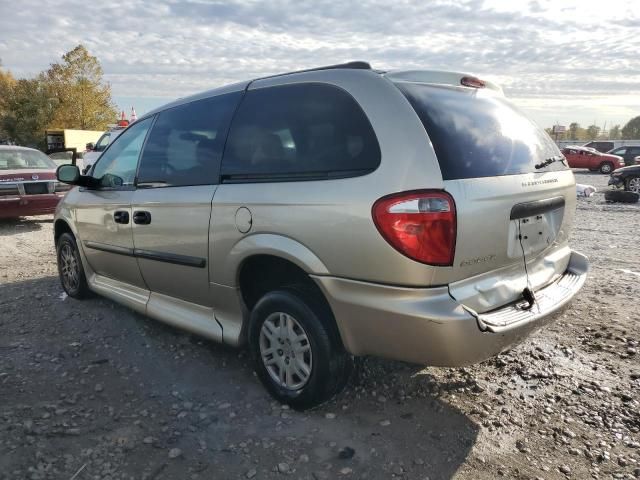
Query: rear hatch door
(513, 190)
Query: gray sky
(560, 60)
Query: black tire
(331, 365)
(606, 168)
(621, 196)
(69, 259)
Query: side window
(299, 131)
(117, 165)
(186, 142)
(620, 151)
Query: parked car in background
(627, 178)
(328, 213)
(28, 184)
(601, 145)
(94, 151)
(629, 153)
(585, 157)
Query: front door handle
(141, 218)
(121, 216)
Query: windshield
(479, 134)
(24, 160)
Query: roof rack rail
(356, 65)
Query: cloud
(172, 48)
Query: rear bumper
(427, 326)
(616, 181)
(25, 205)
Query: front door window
(117, 165)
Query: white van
(92, 154)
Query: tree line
(631, 131)
(70, 94)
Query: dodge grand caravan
(330, 213)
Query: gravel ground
(92, 390)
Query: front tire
(70, 270)
(606, 168)
(296, 349)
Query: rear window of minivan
(478, 133)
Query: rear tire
(70, 270)
(606, 168)
(621, 196)
(633, 184)
(296, 349)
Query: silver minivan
(330, 213)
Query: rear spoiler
(436, 77)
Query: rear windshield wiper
(550, 160)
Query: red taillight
(419, 224)
(472, 82)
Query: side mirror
(68, 174)
(90, 146)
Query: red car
(584, 157)
(28, 183)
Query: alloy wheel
(634, 185)
(69, 267)
(286, 351)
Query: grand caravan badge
(533, 183)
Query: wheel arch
(59, 227)
(268, 269)
(231, 263)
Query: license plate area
(531, 234)
(38, 188)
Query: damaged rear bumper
(616, 181)
(427, 326)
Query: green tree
(29, 111)
(83, 98)
(7, 84)
(592, 132)
(631, 131)
(614, 133)
(575, 131)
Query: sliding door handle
(141, 218)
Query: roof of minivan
(438, 77)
